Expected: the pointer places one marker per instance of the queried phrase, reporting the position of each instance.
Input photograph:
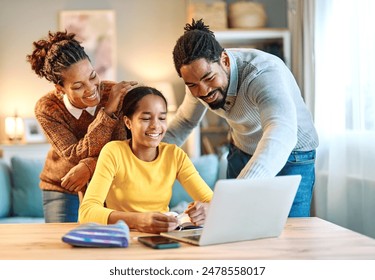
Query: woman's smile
(93, 96)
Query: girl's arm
(151, 222)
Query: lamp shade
(14, 128)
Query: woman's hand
(116, 96)
(77, 178)
(197, 212)
(155, 222)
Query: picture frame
(33, 132)
(95, 29)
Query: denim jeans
(60, 207)
(302, 163)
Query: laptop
(244, 209)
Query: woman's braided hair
(198, 41)
(54, 54)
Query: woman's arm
(63, 139)
(78, 177)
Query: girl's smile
(148, 125)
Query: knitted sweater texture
(74, 140)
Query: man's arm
(272, 94)
(188, 116)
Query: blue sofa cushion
(26, 194)
(22, 220)
(5, 189)
(207, 166)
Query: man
(271, 129)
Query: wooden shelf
(240, 34)
(32, 150)
(240, 37)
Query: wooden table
(303, 238)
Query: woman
(135, 177)
(78, 118)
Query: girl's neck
(145, 154)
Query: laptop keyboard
(193, 237)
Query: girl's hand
(77, 178)
(197, 212)
(116, 96)
(155, 222)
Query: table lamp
(14, 128)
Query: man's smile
(210, 97)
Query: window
(345, 113)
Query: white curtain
(301, 26)
(345, 113)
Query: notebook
(244, 209)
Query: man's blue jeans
(302, 163)
(60, 207)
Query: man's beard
(219, 102)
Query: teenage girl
(135, 177)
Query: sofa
(21, 197)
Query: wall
(146, 33)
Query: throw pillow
(207, 166)
(4, 189)
(26, 194)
